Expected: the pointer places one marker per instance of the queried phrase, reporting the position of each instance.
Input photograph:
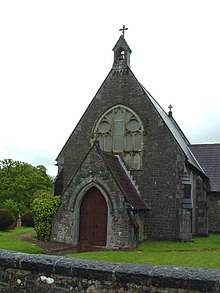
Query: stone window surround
(121, 135)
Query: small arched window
(120, 131)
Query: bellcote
(121, 55)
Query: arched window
(120, 131)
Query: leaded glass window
(120, 131)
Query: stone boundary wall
(26, 273)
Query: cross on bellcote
(123, 30)
(170, 112)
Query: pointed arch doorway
(93, 219)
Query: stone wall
(55, 274)
(158, 181)
(213, 202)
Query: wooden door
(93, 219)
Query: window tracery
(120, 131)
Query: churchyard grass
(202, 252)
(9, 240)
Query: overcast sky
(54, 55)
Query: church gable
(116, 90)
(127, 148)
(147, 122)
(104, 175)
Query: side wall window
(120, 131)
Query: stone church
(128, 173)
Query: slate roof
(176, 132)
(209, 157)
(125, 183)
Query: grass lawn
(9, 240)
(203, 252)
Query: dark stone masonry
(128, 173)
(24, 273)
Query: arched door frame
(76, 213)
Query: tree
(19, 181)
(5, 219)
(44, 208)
(12, 207)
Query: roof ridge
(205, 144)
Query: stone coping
(203, 280)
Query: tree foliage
(27, 219)
(44, 208)
(19, 181)
(12, 207)
(5, 219)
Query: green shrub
(27, 219)
(12, 207)
(6, 219)
(44, 208)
